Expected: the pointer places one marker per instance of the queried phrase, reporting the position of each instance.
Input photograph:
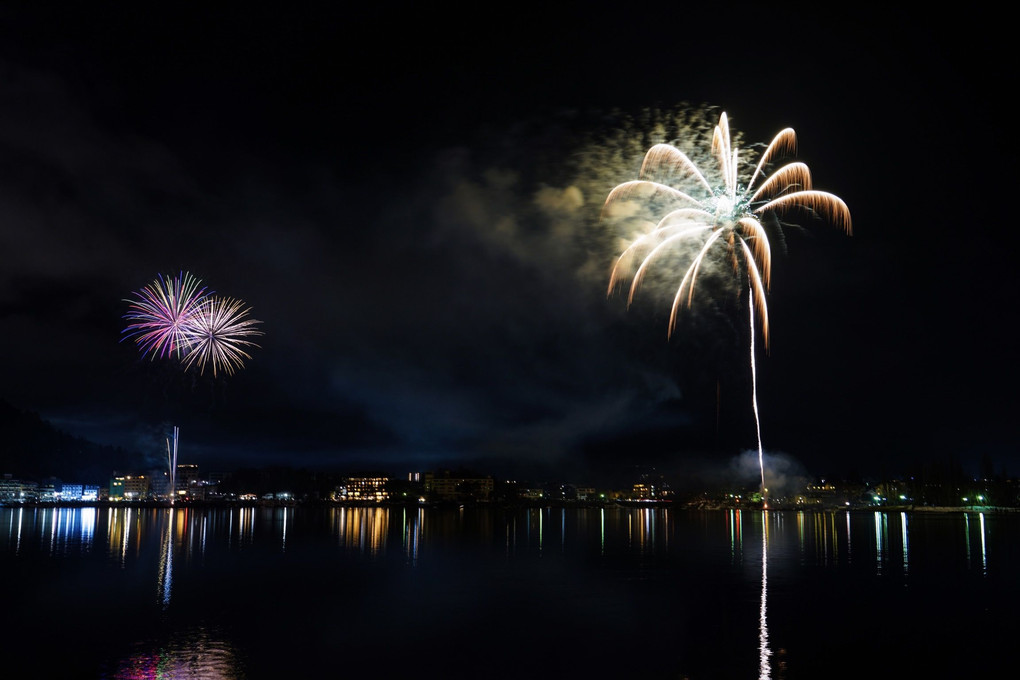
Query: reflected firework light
(715, 211)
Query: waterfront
(252, 592)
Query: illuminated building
(129, 487)
(136, 487)
(14, 489)
(363, 489)
(643, 491)
(117, 489)
(71, 492)
(535, 493)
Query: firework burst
(159, 315)
(218, 331)
(718, 210)
(177, 318)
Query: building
(159, 483)
(531, 493)
(370, 489)
(643, 492)
(187, 476)
(136, 487)
(130, 488)
(71, 492)
(11, 490)
(461, 486)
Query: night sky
(408, 199)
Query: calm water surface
(487, 593)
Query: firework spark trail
(716, 209)
(171, 461)
(754, 405)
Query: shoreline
(624, 505)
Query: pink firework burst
(159, 315)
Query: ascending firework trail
(715, 212)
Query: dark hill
(33, 449)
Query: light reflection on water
(194, 654)
(166, 562)
(121, 532)
(362, 529)
(178, 551)
(764, 651)
(903, 539)
(879, 535)
(981, 541)
(68, 528)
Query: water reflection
(362, 528)
(903, 534)
(825, 535)
(736, 538)
(885, 537)
(68, 527)
(981, 541)
(602, 531)
(541, 534)
(984, 548)
(849, 554)
(764, 653)
(643, 530)
(20, 516)
(605, 556)
(286, 513)
(879, 526)
(61, 530)
(413, 521)
(166, 562)
(966, 537)
(195, 653)
(245, 525)
(121, 533)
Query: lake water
(329, 592)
